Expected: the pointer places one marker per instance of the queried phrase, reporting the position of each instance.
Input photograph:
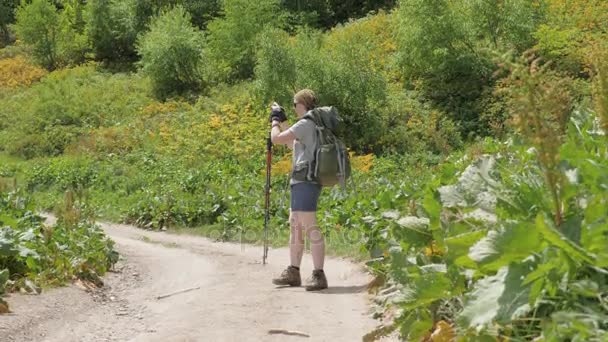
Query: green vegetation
(34, 254)
(170, 53)
(477, 130)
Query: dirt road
(233, 298)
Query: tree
(326, 14)
(446, 50)
(506, 24)
(111, 29)
(53, 35)
(7, 17)
(38, 25)
(170, 53)
(275, 70)
(202, 12)
(232, 38)
(569, 32)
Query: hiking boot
(289, 277)
(317, 282)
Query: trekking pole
(267, 203)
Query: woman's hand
(277, 113)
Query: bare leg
(296, 239)
(317, 242)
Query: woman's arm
(280, 134)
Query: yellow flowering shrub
(362, 163)
(571, 28)
(18, 72)
(282, 166)
(159, 108)
(213, 129)
(373, 32)
(115, 139)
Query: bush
(569, 32)
(325, 14)
(416, 129)
(170, 53)
(202, 12)
(503, 24)
(231, 43)
(275, 70)
(46, 118)
(111, 28)
(446, 48)
(439, 58)
(7, 17)
(65, 173)
(38, 25)
(38, 255)
(15, 50)
(17, 72)
(352, 68)
(352, 78)
(52, 35)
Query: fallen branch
(287, 332)
(177, 292)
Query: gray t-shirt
(304, 146)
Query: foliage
(36, 254)
(437, 55)
(17, 72)
(502, 241)
(202, 12)
(348, 76)
(230, 51)
(170, 53)
(53, 35)
(514, 248)
(47, 117)
(541, 103)
(445, 51)
(327, 14)
(111, 28)
(7, 17)
(415, 128)
(275, 70)
(342, 69)
(38, 25)
(506, 24)
(600, 70)
(569, 32)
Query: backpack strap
(310, 117)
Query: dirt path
(235, 302)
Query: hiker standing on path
(301, 137)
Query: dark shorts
(304, 196)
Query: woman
(304, 191)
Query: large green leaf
(458, 248)
(427, 288)
(514, 242)
(7, 242)
(416, 324)
(472, 187)
(4, 274)
(499, 298)
(559, 240)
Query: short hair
(306, 97)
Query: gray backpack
(332, 164)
